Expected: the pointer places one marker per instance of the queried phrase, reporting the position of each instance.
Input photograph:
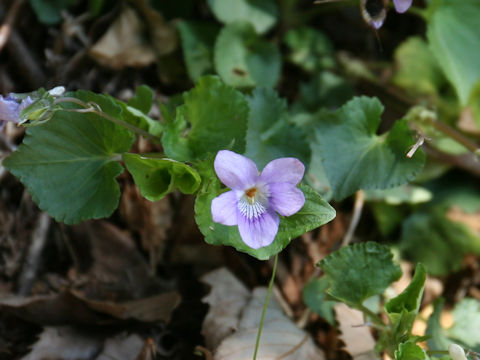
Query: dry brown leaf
(69, 307)
(123, 44)
(357, 337)
(64, 343)
(227, 298)
(281, 338)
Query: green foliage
(213, 117)
(243, 59)
(157, 176)
(410, 351)
(70, 163)
(429, 237)
(314, 296)
(371, 161)
(359, 271)
(403, 309)
(455, 40)
(310, 49)
(324, 90)
(261, 14)
(417, 70)
(270, 134)
(198, 40)
(49, 11)
(314, 213)
(142, 100)
(466, 322)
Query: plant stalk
(265, 305)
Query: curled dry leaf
(68, 307)
(281, 338)
(357, 337)
(123, 45)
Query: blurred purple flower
(10, 109)
(402, 5)
(254, 198)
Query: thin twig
(357, 213)
(6, 28)
(33, 260)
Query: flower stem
(265, 305)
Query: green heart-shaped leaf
(359, 271)
(70, 163)
(356, 158)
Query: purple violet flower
(402, 5)
(255, 199)
(10, 109)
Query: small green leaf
(410, 351)
(261, 14)
(356, 158)
(466, 322)
(403, 309)
(270, 135)
(142, 99)
(417, 69)
(310, 49)
(314, 213)
(213, 117)
(359, 271)
(243, 59)
(198, 40)
(314, 296)
(430, 229)
(156, 176)
(69, 164)
(455, 40)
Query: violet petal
(402, 5)
(285, 198)
(224, 208)
(9, 110)
(289, 170)
(258, 232)
(235, 171)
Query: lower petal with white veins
(258, 232)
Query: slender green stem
(265, 305)
(437, 352)
(374, 317)
(95, 109)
